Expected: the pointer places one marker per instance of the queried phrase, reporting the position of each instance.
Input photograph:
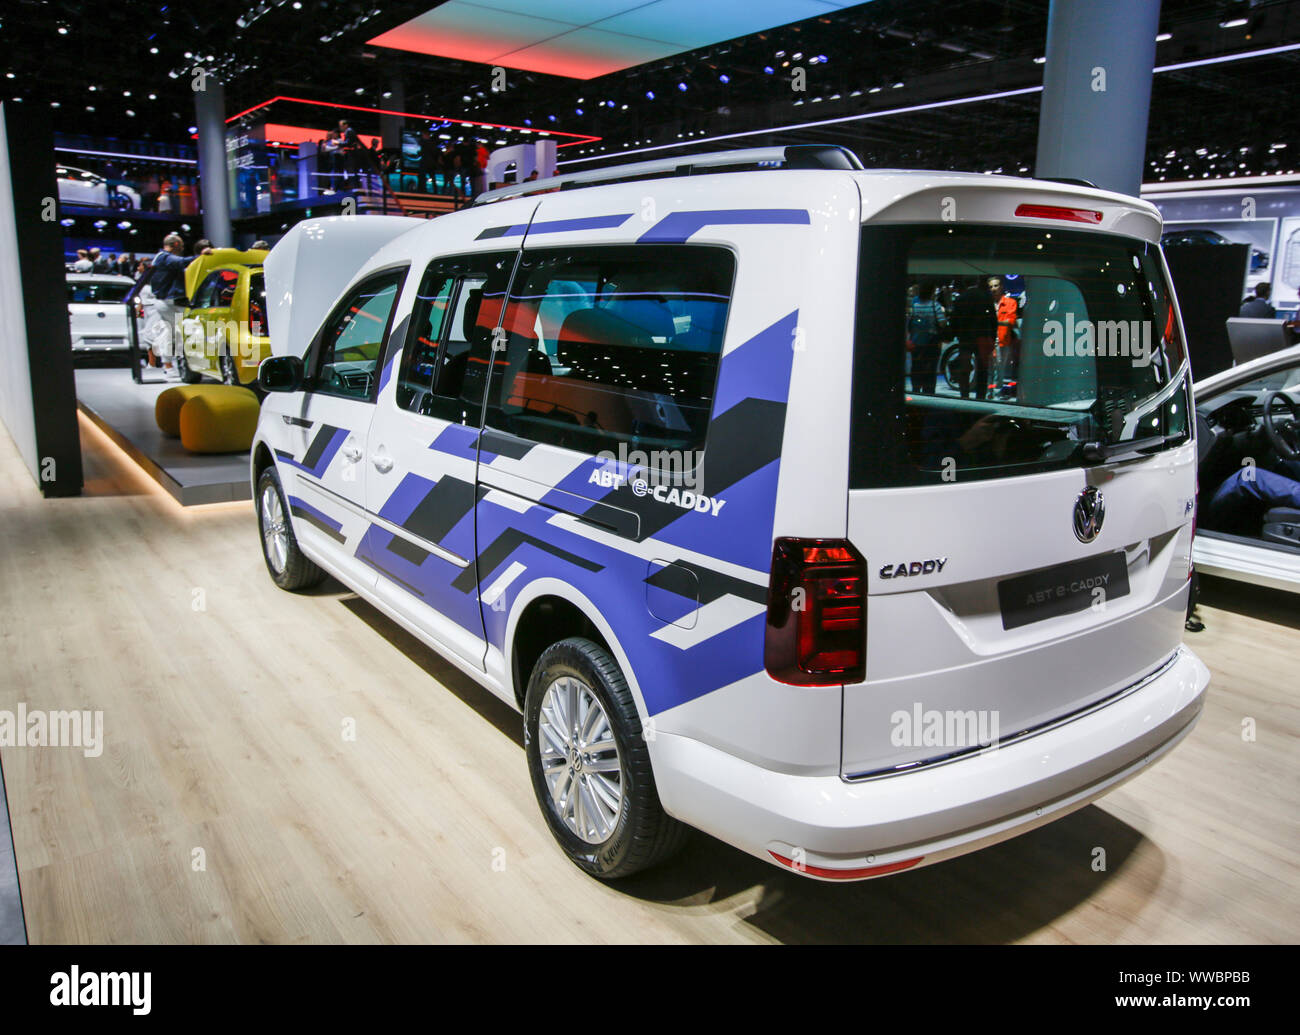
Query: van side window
(351, 341)
(449, 347)
(610, 346)
(420, 357)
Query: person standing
(166, 278)
(83, 263)
(926, 323)
(349, 146)
(1008, 314)
(976, 325)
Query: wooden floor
(228, 806)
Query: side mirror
(280, 374)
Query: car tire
(288, 566)
(576, 800)
(183, 369)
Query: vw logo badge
(1089, 513)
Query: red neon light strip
(579, 138)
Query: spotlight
(650, 95)
(682, 87)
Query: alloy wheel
(275, 531)
(580, 760)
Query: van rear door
(1023, 497)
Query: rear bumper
(99, 343)
(837, 829)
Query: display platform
(124, 411)
(13, 930)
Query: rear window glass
(610, 347)
(92, 293)
(986, 352)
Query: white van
(662, 456)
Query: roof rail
(792, 156)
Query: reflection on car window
(997, 351)
(97, 293)
(350, 345)
(610, 348)
(420, 357)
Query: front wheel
(590, 766)
(289, 566)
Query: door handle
(352, 453)
(383, 464)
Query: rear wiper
(1100, 452)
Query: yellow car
(224, 329)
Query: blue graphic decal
(460, 440)
(676, 227)
(319, 515)
(319, 453)
(556, 226)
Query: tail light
(816, 613)
(1070, 215)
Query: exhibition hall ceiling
(896, 80)
(583, 39)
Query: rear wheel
(289, 567)
(183, 368)
(590, 766)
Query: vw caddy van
(654, 454)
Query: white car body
(804, 776)
(80, 187)
(1235, 557)
(98, 324)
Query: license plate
(1062, 590)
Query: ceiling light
(1233, 23)
(1164, 37)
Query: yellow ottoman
(221, 421)
(167, 407)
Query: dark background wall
(38, 402)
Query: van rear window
(985, 352)
(613, 347)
